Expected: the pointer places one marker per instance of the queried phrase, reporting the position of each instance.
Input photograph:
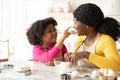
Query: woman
(43, 35)
(96, 45)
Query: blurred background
(16, 16)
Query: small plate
(22, 69)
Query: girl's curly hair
(35, 32)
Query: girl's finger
(51, 63)
(67, 28)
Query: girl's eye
(50, 31)
(55, 29)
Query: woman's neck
(90, 38)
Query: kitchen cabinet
(61, 16)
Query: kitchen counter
(38, 72)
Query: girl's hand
(66, 33)
(49, 63)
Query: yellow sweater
(106, 55)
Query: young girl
(43, 35)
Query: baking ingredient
(75, 74)
(22, 68)
(65, 67)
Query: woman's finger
(67, 56)
(72, 57)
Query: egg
(75, 74)
(94, 74)
(101, 70)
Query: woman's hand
(76, 56)
(67, 57)
(49, 63)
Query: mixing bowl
(64, 67)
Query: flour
(65, 67)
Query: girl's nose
(54, 32)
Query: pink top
(39, 54)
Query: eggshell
(111, 72)
(102, 77)
(99, 74)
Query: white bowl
(64, 67)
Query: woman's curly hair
(35, 32)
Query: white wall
(17, 15)
(13, 25)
